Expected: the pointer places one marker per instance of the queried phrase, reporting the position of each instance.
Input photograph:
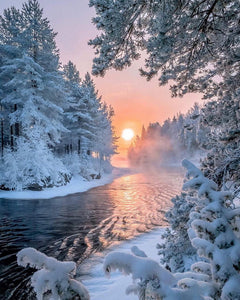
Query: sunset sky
(135, 101)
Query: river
(75, 226)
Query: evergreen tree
(89, 111)
(38, 38)
(72, 140)
(89, 121)
(37, 118)
(33, 92)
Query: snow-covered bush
(87, 166)
(72, 162)
(32, 166)
(54, 280)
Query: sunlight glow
(127, 134)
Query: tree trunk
(11, 138)
(2, 137)
(17, 133)
(79, 146)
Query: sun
(127, 134)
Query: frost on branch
(54, 278)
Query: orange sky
(134, 100)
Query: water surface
(75, 226)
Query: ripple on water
(75, 226)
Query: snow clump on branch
(54, 277)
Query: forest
(53, 123)
(48, 112)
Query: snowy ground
(76, 185)
(101, 287)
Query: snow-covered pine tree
(88, 120)
(37, 37)
(90, 123)
(214, 233)
(105, 143)
(33, 92)
(40, 123)
(72, 141)
(10, 29)
(222, 160)
(174, 54)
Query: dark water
(75, 226)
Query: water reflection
(73, 227)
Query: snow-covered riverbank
(101, 287)
(77, 185)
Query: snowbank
(101, 287)
(77, 185)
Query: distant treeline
(209, 131)
(182, 136)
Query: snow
(101, 287)
(214, 240)
(142, 268)
(52, 275)
(77, 185)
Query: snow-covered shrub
(54, 280)
(32, 166)
(93, 168)
(72, 162)
(215, 233)
(106, 166)
(87, 166)
(177, 237)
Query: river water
(75, 226)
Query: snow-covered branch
(216, 237)
(53, 277)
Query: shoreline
(99, 286)
(77, 185)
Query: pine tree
(72, 140)
(33, 92)
(38, 38)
